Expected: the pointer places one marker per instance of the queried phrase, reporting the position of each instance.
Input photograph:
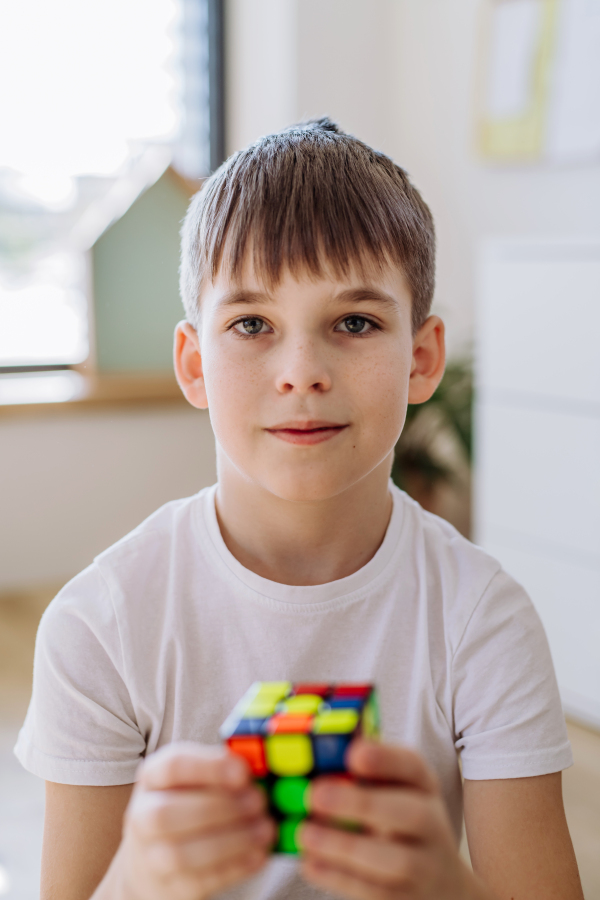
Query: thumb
(391, 763)
(189, 765)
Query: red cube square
(307, 688)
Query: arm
(82, 831)
(519, 840)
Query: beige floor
(21, 794)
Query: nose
(303, 370)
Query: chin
(307, 487)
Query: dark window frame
(216, 82)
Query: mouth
(306, 433)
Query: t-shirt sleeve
(508, 718)
(81, 726)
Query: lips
(306, 433)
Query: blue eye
(251, 325)
(355, 325)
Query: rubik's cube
(290, 733)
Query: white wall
(401, 74)
(294, 59)
(538, 443)
(72, 484)
(437, 70)
(345, 66)
(261, 70)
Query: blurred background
(111, 114)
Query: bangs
(312, 201)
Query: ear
(428, 361)
(188, 365)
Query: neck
(303, 543)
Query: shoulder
(79, 619)
(148, 568)
(440, 540)
(458, 576)
(123, 591)
(151, 544)
(500, 693)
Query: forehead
(384, 283)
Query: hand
(407, 848)
(195, 825)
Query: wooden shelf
(68, 391)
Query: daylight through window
(92, 110)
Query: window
(99, 98)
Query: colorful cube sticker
(287, 841)
(289, 723)
(330, 751)
(302, 703)
(290, 796)
(289, 754)
(312, 688)
(253, 751)
(291, 733)
(336, 721)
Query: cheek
(382, 383)
(234, 384)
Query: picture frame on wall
(539, 82)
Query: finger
(385, 762)
(193, 765)
(403, 812)
(173, 857)
(180, 813)
(344, 884)
(375, 859)
(214, 880)
(221, 877)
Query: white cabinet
(537, 434)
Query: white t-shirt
(160, 637)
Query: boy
(307, 276)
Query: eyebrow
(351, 295)
(366, 294)
(239, 295)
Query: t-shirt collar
(304, 594)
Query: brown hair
(309, 198)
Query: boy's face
(307, 383)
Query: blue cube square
(329, 751)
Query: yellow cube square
(336, 721)
(302, 703)
(289, 754)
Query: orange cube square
(253, 751)
(290, 723)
